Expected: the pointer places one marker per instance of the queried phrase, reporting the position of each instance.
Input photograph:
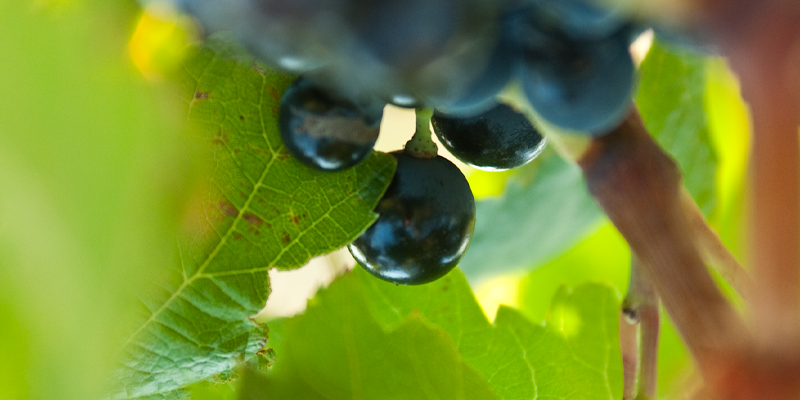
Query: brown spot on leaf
(200, 95)
(258, 69)
(253, 219)
(227, 208)
(237, 235)
(195, 221)
(296, 219)
(283, 156)
(285, 238)
(220, 138)
(274, 93)
(274, 110)
(241, 117)
(259, 150)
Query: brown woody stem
(650, 330)
(638, 186)
(629, 348)
(714, 251)
(762, 42)
(640, 310)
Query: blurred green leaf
(336, 350)
(507, 354)
(359, 325)
(545, 209)
(671, 99)
(207, 390)
(730, 130)
(82, 212)
(261, 209)
(577, 353)
(604, 257)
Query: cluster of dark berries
(427, 215)
(570, 57)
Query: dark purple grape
(480, 93)
(325, 131)
(581, 85)
(580, 19)
(424, 226)
(496, 140)
(406, 32)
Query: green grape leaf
(603, 257)
(581, 334)
(577, 353)
(177, 394)
(332, 347)
(671, 99)
(544, 209)
(85, 151)
(260, 209)
(208, 390)
(336, 350)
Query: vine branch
(714, 251)
(639, 187)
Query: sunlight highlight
(566, 320)
(158, 43)
(503, 289)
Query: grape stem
(629, 348)
(639, 187)
(714, 251)
(762, 42)
(642, 306)
(421, 144)
(640, 315)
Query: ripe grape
(424, 226)
(581, 19)
(295, 35)
(406, 32)
(326, 131)
(582, 85)
(498, 139)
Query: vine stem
(421, 144)
(761, 39)
(714, 251)
(629, 348)
(639, 187)
(640, 316)
(643, 296)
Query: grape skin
(496, 140)
(580, 19)
(324, 131)
(425, 223)
(581, 85)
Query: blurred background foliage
(93, 181)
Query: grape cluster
(569, 57)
